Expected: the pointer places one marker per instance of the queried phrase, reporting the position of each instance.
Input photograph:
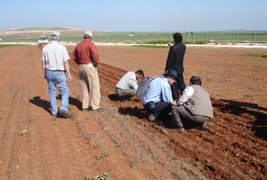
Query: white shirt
(187, 94)
(128, 81)
(54, 55)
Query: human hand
(174, 103)
(69, 78)
(169, 44)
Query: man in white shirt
(55, 61)
(194, 106)
(127, 85)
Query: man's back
(176, 58)
(85, 52)
(128, 81)
(200, 103)
(54, 55)
(159, 90)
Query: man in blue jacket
(158, 98)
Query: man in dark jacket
(175, 61)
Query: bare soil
(119, 140)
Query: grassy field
(256, 55)
(150, 46)
(153, 37)
(6, 45)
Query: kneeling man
(194, 106)
(127, 85)
(158, 97)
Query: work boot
(64, 113)
(85, 109)
(98, 110)
(180, 130)
(202, 127)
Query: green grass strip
(7, 45)
(149, 46)
(256, 55)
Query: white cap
(88, 33)
(56, 34)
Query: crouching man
(158, 97)
(127, 85)
(194, 106)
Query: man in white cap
(86, 55)
(55, 62)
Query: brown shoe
(180, 130)
(64, 113)
(97, 110)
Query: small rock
(23, 133)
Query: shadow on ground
(46, 104)
(73, 101)
(40, 103)
(259, 126)
(113, 97)
(141, 113)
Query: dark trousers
(158, 108)
(179, 85)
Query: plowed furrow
(216, 141)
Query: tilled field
(119, 140)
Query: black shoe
(64, 113)
(202, 127)
(158, 122)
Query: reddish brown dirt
(119, 140)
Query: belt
(85, 63)
(57, 70)
(88, 64)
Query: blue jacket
(159, 90)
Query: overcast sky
(136, 15)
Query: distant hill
(40, 31)
(41, 28)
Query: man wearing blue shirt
(158, 98)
